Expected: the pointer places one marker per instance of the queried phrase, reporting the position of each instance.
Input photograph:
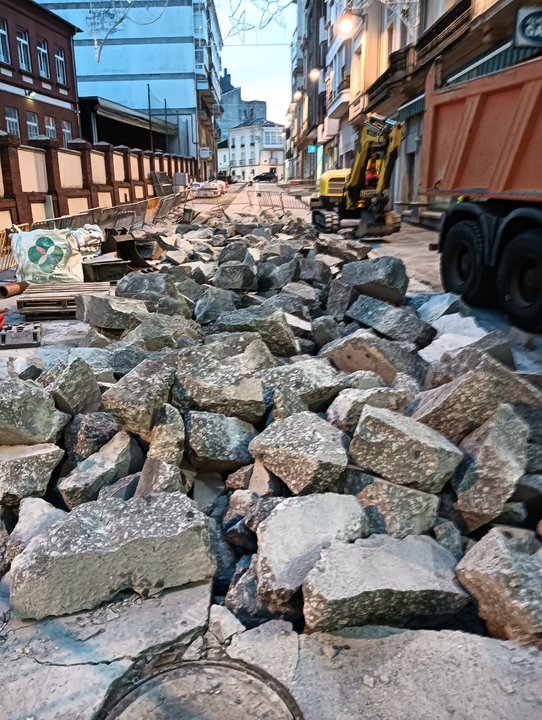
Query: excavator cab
(364, 200)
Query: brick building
(38, 91)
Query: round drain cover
(204, 691)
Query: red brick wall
(44, 25)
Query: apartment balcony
(205, 86)
(327, 130)
(400, 69)
(337, 105)
(448, 28)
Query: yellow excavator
(358, 197)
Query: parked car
(266, 177)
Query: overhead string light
(247, 15)
(405, 10)
(104, 21)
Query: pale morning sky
(261, 64)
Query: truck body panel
(483, 138)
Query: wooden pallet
(52, 300)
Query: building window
(12, 121)
(66, 132)
(60, 64)
(43, 59)
(23, 50)
(198, 23)
(50, 127)
(4, 43)
(272, 138)
(32, 124)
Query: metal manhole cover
(205, 691)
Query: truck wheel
(462, 266)
(519, 280)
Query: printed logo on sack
(45, 254)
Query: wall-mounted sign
(528, 27)
(311, 149)
(204, 153)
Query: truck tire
(519, 280)
(462, 266)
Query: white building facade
(223, 157)
(256, 148)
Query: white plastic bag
(44, 256)
(89, 239)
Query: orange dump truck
(482, 144)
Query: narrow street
(410, 245)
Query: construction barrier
(129, 215)
(7, 261)
(262, 199)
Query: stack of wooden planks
(54, 300)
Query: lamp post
(346, 24)
(314, 74)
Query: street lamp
(345, 26)
(314, 74)
(298, 95)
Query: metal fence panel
(128, 215)
(278, 200)
(169, 203)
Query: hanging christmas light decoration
(405, 10)
(272, 12)
(243, 15)
(238, 21)
(104, 22)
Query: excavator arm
(355, 182)
(377, 135)
(362, 205)
(394, 140)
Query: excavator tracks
(326, 221)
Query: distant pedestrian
(250, 178)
